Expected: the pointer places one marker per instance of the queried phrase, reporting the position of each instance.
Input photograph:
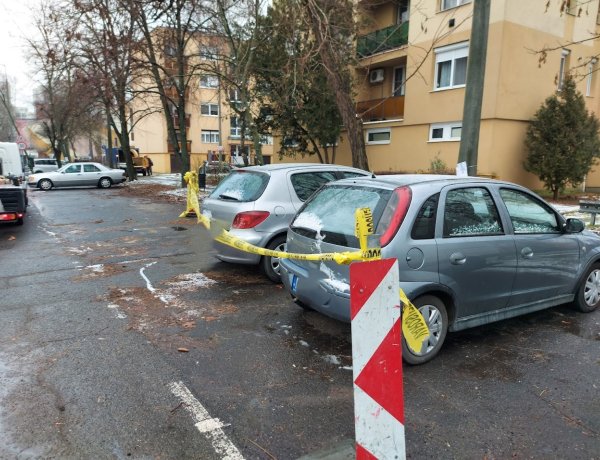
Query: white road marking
(204, 423)
(149, 284)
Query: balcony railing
(171, 149)
(382, 40)
(381, 109)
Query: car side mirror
(574, 226)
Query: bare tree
(172, 37)
(64, 101)
(8, 127)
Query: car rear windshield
(330, 214)
(241, 186)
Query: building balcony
(388, 108)
(177, 123)
(171, 92)
(382, 40)
(171, 149)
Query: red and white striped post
(377, 360)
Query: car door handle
(458, 258)
(527, 252)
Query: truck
(13, 188)
(140, 163)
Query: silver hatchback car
(470, 251)
(257, 204)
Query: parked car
(213, 172)
(470, 251)
(41, 165)
(78, 174)
(257, 204)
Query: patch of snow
(191, 281)
(346, 368)
(332, 359)
(304, 344)
(310, 221)
(98, 268)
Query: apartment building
(411, 74)
(212, 127)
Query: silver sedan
(78, 175)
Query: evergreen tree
(562, 140)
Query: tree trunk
(337, 69)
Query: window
(210, 136)
(441, 132)
(564, 64)
(402, 12)
(305, 184)
(170, 50)
(424, 226)
(90, 168)
(447, 4)
(471, 212)
(241, 186)
(451, 66)
(235, 127)
(266, 140)
(379, 136)
(209, 109)
(527, 214)
(73, 169)
(234, 95)
(209, 53)
(209, 81)
(591, 68)
(399, 79)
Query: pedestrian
(149, 167)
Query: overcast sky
(17, 18)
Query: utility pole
(469, 142)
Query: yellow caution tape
(414, 327)
(193, 206)
(339, 257)
(364, 228)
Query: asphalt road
(121, 336)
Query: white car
(78, 175)
(41, 165)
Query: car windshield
(241, 186)
(329, 215)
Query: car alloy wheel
(45, 184)
(588, 294)
(436, 317)
(270, 265)
(105, 182)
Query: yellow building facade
(212, 127)
(411, 74)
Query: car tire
(45, 184)
(588, 293)
(270, 265)
(436, 316)
(105, 182)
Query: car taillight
(10, 216)
(249, 219)
(400, 200)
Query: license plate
(294, 283)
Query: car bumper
(332, 298)
(232, 255)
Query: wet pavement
(110, 299)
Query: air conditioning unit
(376, 75)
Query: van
(10, 160)
(41, 165)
